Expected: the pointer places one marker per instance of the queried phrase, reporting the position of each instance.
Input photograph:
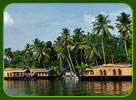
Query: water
(66, 87)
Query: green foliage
(35, 64)
(82, 67)
(80, 50)
(55, 68)
(124, 26)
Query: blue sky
(25, 22)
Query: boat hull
(107, 78)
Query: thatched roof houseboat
(42, 73)
(109, 72)
(20, 73)
(16, 73)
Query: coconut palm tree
(61, 52)
(101, 27)
(75, 47)
(125, 28)
(76, 43)
(59, 49)
(39, 50)
(78, 32)
(65, 39)
(82, 67)
(91, 47)
(9, 54)
(28, 55)
(28, 48)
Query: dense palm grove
(77, 48)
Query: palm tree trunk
(9, 63)
(69, 65)
(103, 52)
(85, 59)
(81, 55)
(88, 61)
(96, 62)
(23, 62)
(60, 63)
(126, 47)
(76, 59)
(43, 63)
(71, 60)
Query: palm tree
(27, 48)
(28, 55)
(82, 67)
(39, 49)
(59, 49)
(65, 39)
(49, 49)
(8, 54)
(101, 27)
(76, 43)
(125, 28)
(75, 47)
(78, 32)
(92, 48)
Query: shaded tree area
(77, 48)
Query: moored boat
(108, 72)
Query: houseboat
(19, 73)
(108, 72)
(43, 74)
(16, 73)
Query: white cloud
(89, 18)
(8, 19)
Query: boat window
(114, 72)
(92, 72)
(105, 72)
(101, 73)
(8, 74)
(119, 71)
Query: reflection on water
(66, 88)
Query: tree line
(77, 48)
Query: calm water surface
(66, 87)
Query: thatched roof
(39, 70)
(19, 70)
(24, 70)
(116, 65)
(12, 69)
(110, 65)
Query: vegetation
(78, 49)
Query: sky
(25, 22)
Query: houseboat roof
(116, 65)
(17, 71)
(24, 70)
(39, 70)
(12, 69)
(110, 65)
